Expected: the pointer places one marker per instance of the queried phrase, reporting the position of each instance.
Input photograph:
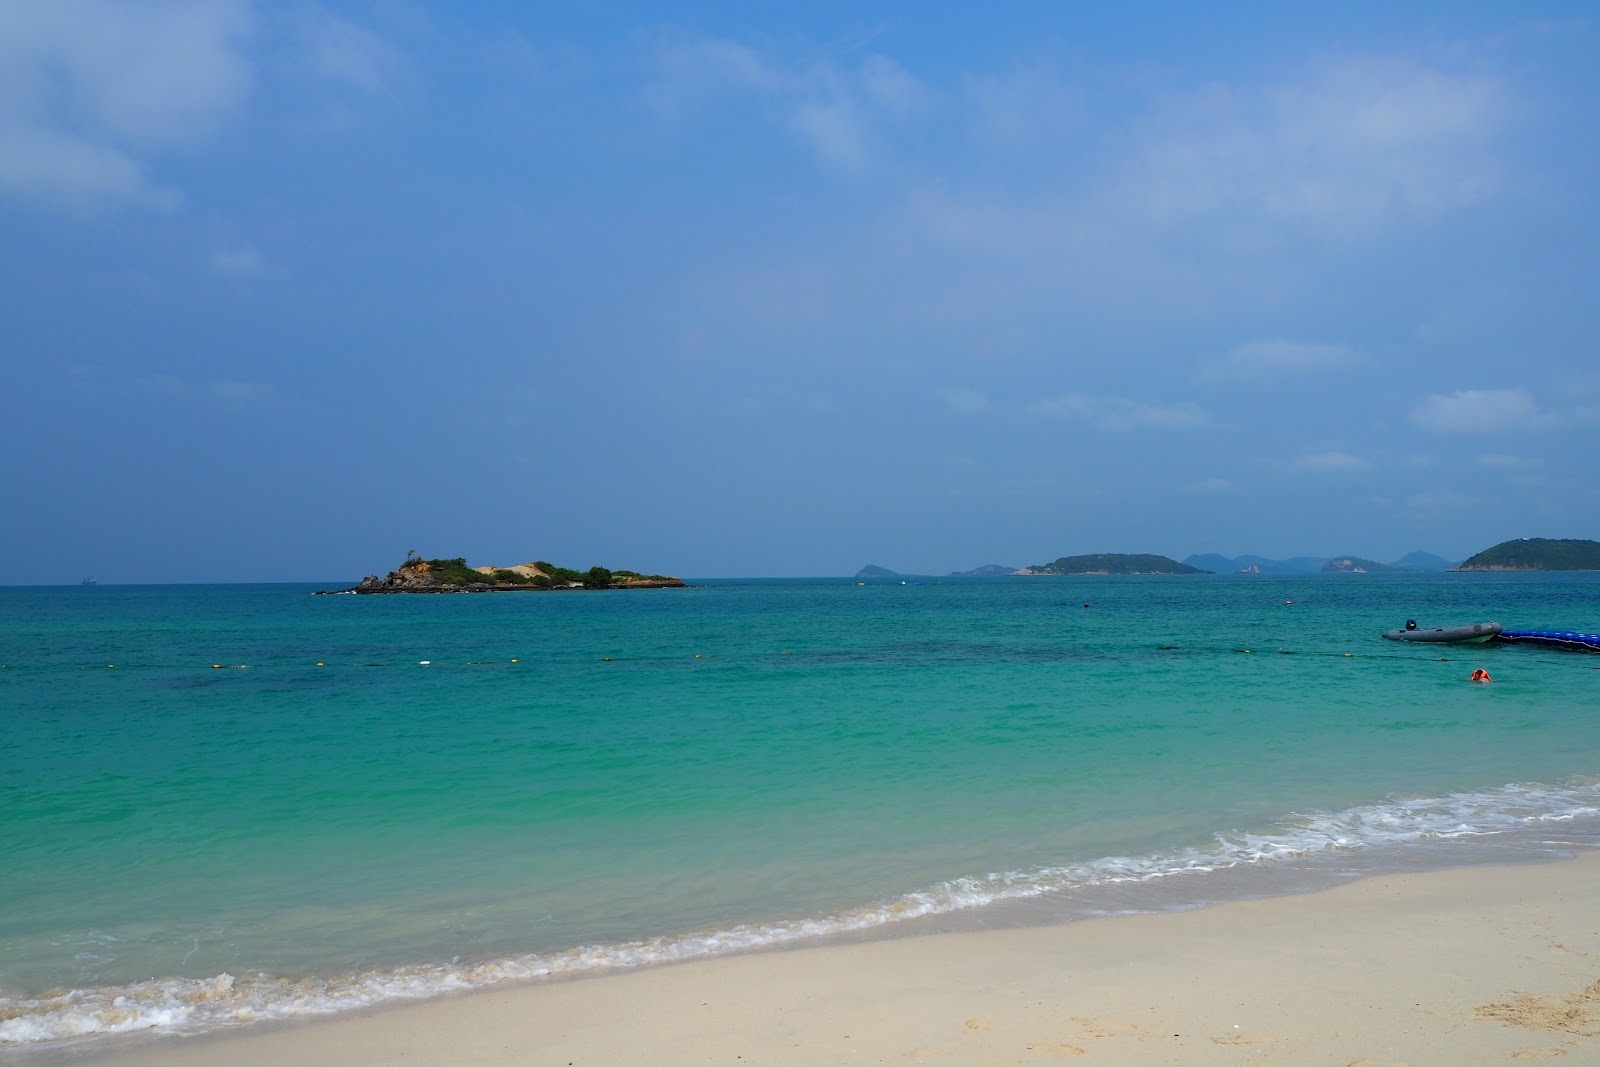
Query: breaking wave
(173, 1005)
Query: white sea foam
(192, 1004)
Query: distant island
(1352, 565)
(988, 570)
(872, 570)
(1113, 563)
(1537, 554)
(418, 575)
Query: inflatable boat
(1476, 633)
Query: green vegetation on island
(1537, 554)
(1114, 563)
(418, 575)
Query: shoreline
(1475, 964)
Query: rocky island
(1352, 565)
(1537, 554)
(418, 575)
(1113, 563)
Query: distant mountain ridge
(1411, 561)
(1414, 562)
(1353, 565)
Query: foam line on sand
(1467, 966)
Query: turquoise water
(585, 780)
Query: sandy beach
(1470, 966)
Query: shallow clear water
(577, 780)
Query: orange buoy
(1481, 675)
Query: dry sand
(1475, 966)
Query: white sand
(1480, 966)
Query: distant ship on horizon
(88, 581)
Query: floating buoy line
(689, 658)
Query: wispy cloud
(90, 89)
(1496, 461)
(968, 401)
(1274, 358)
(1330, 462)
(242, 263)
(1119, 413)
(1209, 485)
(1355, 141)
(691, 74)
(347, 53)
(838, 112)
(1440, 502)
(76, 174)
(1025, 107)
(225, 393)
(1482, 410)
(1341, 150)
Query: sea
(230, 804)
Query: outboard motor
(1411, 624)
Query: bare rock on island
(417, 575)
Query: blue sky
(758, 289)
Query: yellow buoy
(319, 663)
(216, 666)
(513, 661)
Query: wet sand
(1467, 966)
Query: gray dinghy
(1476, 633)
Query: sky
(763, 289)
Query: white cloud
(1277, 358)
(1480, 410)
(89, 87)
(1120, 413)
(1328, 462)
(968, 401)
(75, 174)
(836, 131)
(1343, 150)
